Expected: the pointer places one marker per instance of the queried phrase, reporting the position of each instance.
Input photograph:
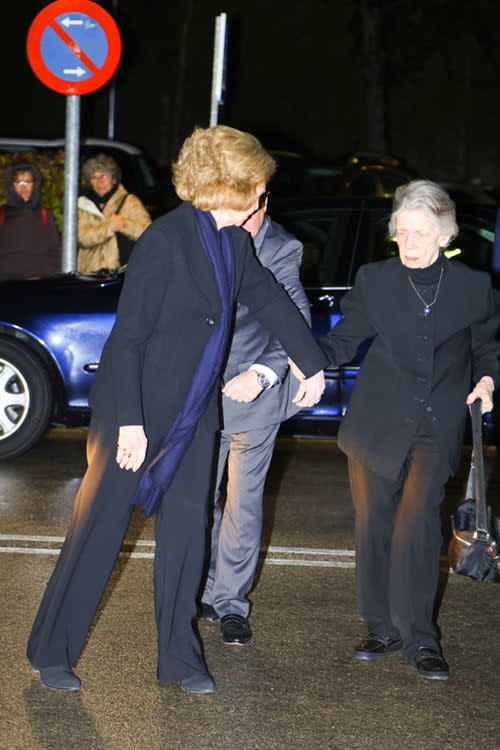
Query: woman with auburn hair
(155, 405)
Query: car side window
(328, 246)
(376, 243)
(473, 246)
(362, 185)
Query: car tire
(26, 399)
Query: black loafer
(429, 664)
(375, 646)
(207, 612)
(235, 630)
(59, 678)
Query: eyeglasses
(23, 182)
(261, 200)
(101, 176)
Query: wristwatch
(264, 381)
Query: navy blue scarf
(159, 473)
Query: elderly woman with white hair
(432, 324)
(110, 219)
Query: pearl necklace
(427, 306)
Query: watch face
(263, 380)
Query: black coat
(416, 366)
(166, 313)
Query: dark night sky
(295, 79)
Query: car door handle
(329, 298)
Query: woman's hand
(131, 447)
(484, 390)
(296, 370)
(117, 223)
(310, 390)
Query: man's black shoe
(207, 612)
(430, 664)
(375, 646)
(235, 630)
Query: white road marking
(294, 556)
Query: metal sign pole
(71, 169)
(112, 89)
(218, 68)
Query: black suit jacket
(416, 366)
(167, 309)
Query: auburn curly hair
(221, 167)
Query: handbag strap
(477, 471)
(120, 205)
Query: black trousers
(398, 543)
(101, 515)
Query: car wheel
(26, 399)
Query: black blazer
(167, 309)
(416, 365)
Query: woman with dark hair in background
(30, 245)
(110, 219)
(155, 405)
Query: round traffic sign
(73, 46)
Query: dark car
(361, 175)
(52, 331)
(341, 234)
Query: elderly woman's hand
(483, 390)
(131, 447)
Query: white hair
(427, 196)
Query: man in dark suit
(257, 368)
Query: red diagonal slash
(68, 41)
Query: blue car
(52, 331)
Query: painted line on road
(152, 543)
(290, 554)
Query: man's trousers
(237, 529)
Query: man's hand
(244, 387)
(483, 390)
(131, 447)
(310, 390)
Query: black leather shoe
(198, 683)
(207, 612)
(235, 630)
(430, 664)
(59, 678)
(375, 646)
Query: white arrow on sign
(74, 72)
(71, 22)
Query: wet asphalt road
(294, 686)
